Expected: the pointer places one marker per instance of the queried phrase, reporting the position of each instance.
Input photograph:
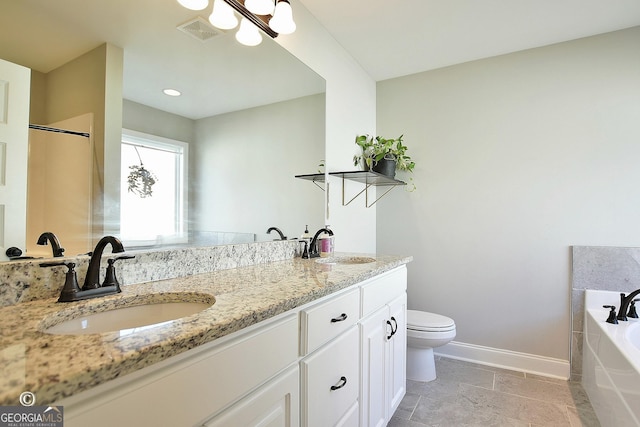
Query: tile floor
(468, 394)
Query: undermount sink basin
(346, 260)
(128, 316)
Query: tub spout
(624, 303)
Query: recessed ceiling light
(172, 92)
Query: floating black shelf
(368, 178)
(315, 178)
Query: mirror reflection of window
(153, 190)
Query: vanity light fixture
(248, 33)
(282, 21)
(260, 7)
(171, 92)
(222, 16)
(258, 12)
(194, 4)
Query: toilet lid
(425, 321)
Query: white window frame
(133, 137)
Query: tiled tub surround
(57, 366)
(23, 281)
(611, 362)
(601, 268)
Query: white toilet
(424, 332)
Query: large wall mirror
(222, 156)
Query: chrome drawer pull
(340, 318)
(392, 331)
(341, 383)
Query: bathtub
(611, 362)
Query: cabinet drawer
(382, 289)
(202, 384)
(331, 381)
(321, 322)
(274, 404)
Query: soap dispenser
(306, 235)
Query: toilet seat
(429, 322)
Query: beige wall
(152, 121)
(518, 158)
(59, 191)
(244, 163)
(91, 83)
(350, 110)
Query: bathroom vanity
(293, 342)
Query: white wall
(350, 110)
(518, 158)
(244, 165)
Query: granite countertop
(58, 366)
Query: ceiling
(392, 38)
(215, 76)
(388, 38)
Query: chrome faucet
(277, 230)
(92, 279)
(48, 236)
(624, 303)
(313, 246)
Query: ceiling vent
(199, 28)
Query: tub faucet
(48, 236)
(624, 303)
(313, 246)
(277, 230)
(92, 279)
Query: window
(153, 193)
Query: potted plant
(383, 155)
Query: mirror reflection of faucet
(92, 288)
(48, 236)
(277, 230)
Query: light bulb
(282, 21)
(194, 4)
(222, 16)
(260, 7)
(248, 33)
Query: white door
(15, 82)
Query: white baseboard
(530, 363)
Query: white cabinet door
(374, 331)
(383, 337)
(331, 381)
(397, 382)
(276, 404)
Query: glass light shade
(248, 33)
(282, 21)
(260, 7)
(222, 16)
(194, 4)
